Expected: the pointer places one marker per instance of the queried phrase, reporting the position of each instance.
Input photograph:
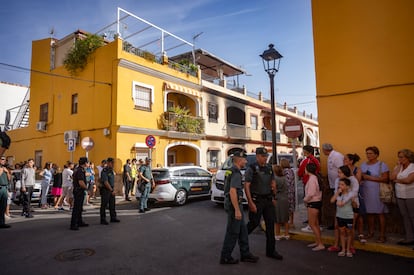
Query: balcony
(171, 121)
(237, 131)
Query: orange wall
(364, 74)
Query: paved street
(166, 240)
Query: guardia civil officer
(260, 189)
(236, 228)
(79, 187)
(4, 182)
(108, 192)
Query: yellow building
(364, 75)
(125, 96)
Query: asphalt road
(166, 240)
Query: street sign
(293, 128)
(87, 143)
(150, 141)
(71, 145)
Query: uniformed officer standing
(79, 187)
(236, 228)
(4, 182)
(260, 188)
(108, 192)
(148, 181)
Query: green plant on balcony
(77, 58)
(189, 67)
(179, 119)
(148, 56)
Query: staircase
(22, 117)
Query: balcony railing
(182, 123)
(237, 131)
(268, 136)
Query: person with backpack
(236, 229)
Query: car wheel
(181, 197)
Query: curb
(391, 249)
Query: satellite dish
(7, 121)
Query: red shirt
(301, 172)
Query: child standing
(344, 215)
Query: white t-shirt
(405, 191)
(67, 178)
(335, 160)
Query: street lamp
(271, 61)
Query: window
(253, 122)
(44, 108)
(213, 159)
(74, 108)
(143, 96)
(212, 109)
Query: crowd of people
(73, 187)
(352, 192)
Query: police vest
(261, 183)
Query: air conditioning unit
(41, 126)
(73, 134)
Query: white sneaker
(306, 229)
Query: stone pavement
(389, 247)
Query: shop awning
(181, 89)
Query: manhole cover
(74, 254)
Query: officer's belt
(258, 196)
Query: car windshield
(229, 162)
(159, 174)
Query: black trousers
(26, 198)
(127, 187)
(78, 197)
(107, 199)
(266, 209)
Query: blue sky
(237, 31)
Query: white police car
(217, 188)
(180, 183)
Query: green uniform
(3, 196)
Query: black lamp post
(271, 61)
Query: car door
(201, 184)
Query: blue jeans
(236, 231)
(144, 197)
(45, 190)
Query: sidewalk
(389, 247)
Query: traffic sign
(87, 143)
(71, 145)
(150, 141)
(293, 128)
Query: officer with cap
(79, 187)
(236, 228)
(108, 192)
(260, 189)
(148, 181)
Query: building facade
(125, 96)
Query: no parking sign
(150, 141)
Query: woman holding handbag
(403, 176)
(374, 172)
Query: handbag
(386, 190)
